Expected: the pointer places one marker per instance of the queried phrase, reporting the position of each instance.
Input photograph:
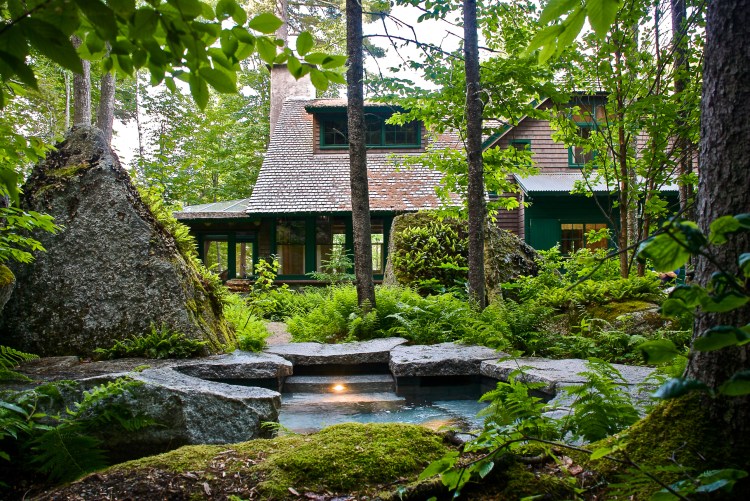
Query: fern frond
(65, 452)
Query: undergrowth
(161, 342)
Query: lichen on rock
(111, 272)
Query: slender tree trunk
(105, 115)
(476, 202)
(67, 99)
(358, 157)
(81, 91)
(621, 158)
(681, 79)
(282, 11)
(723, 190)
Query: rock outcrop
(111, 272)
(7, 283)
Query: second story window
(334, 132)
(586, 118)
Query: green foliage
(431, 257)
(602, 406)
(726, 291)
(336, 269)
(250, 330)
(10, 358)
(15, 225)
(162, 342)
(64, 447)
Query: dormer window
(334, 132)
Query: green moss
(343, 458)
(678, 432)
(6, 276)
(611, 311)
(67, 172)
(521, 481)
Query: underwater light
(339, 388)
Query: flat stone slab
(556, 374)
(446, 359)
(237, 365)
(376, 351)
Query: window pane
(335, 131)
(377, 238)
(290, 246)
(580, 155)
(401, 134)
(244, 259)
(215, 251)
(373, 130)
(291, 259)
(571, 237)
(601, 244)
(330, 239)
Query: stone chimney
(284, 85)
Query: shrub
(250, 330)
(162, 342)
(431, 255)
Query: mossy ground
(611, 311)
(348, 458)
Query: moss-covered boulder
(428, 251)
(357, 460)
(111, 272)
(7, 283)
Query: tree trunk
(81, 91)
(723, 190)
(66, 73)
(105, 115)
(681, 78)
(358, 157)
(476, 202)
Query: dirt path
(279, 334)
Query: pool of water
(454, 406)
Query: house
(550, 214)
(300, 207)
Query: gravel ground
(279, 334)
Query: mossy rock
(360, 459)
(7, 283)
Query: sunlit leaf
(318, 79)
(305, 42)
(266, 49)
(199, 91)
(219, 80)
(556, 8)
(720, 227)
(265, 23)
(602, 14)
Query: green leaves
(658, 351)
(722, 336)
(53, 43)
(265, 23)
(220, 80)
(677, 387)
(738, 385)
(672, 248)
(305, 42)
(230, 8)
(553, 39)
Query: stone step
(338, 385)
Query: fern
(10, 359)
(602, 404)
(65, 452)
(162, 342)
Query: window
(377, 239)
(573, 237)
(216, 254)
(334, 132)
(330, 240)
(243, 256)
(586, 117)
(520, 144)
(290, 246)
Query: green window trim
(518, 142)
(590, 126)
(328, 129)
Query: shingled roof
(295, 178)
